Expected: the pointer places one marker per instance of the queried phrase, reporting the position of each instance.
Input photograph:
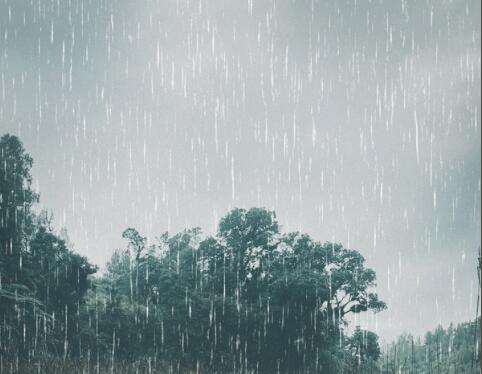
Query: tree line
(249, 299)
(451, 350)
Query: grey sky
(356, 121)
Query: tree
(42, 282)
(364, 345)
(290, 294)
(249, 298)
(16, 199)
(59, 279)
(135, 247)
(450, 350)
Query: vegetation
(42, 282)
(250, 299)
(452, 350)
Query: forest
(249, 299)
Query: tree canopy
(43, 282)
(250, 298)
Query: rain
(198, 165)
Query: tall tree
(42, 282)
(290, 295)
(16, 199)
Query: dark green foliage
(250, 298)
(364, 345)
(16, 199)
(42, 282)
(362, 352)
(57, 275)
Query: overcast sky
(356, 121)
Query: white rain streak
(354, 121)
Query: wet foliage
(249, 299)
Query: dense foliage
(42, 282)
(248, 299)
